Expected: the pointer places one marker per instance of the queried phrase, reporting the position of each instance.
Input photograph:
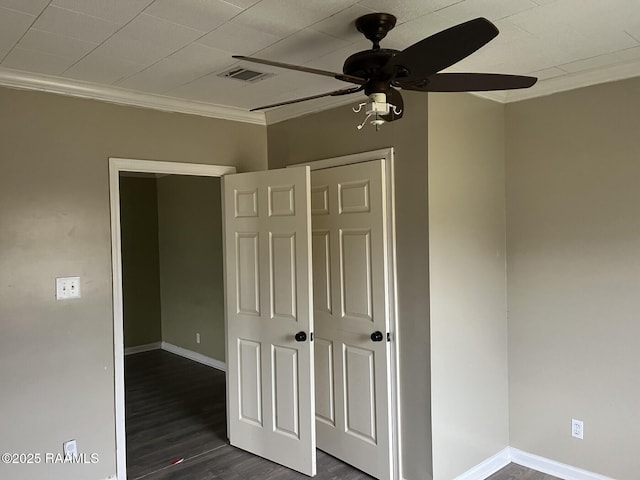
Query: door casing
(117, 165)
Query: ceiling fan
(380, 72)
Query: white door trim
(388, 155)
(117, 165)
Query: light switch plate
(67, 287)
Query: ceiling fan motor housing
(368, 63)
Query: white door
(270, 389)
(352, 368)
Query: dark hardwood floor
(175, 409)
(518, 472)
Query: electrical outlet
(67, 287)
(577, 428)
(197, 338)
(70, 448)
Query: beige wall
(573, 218)
(172, 262)
(191, 279)
(333, 133)
(467, 282)
(56, 358)
(140, 261)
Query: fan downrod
(375, 26)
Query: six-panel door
(351, 315)
(270, 388)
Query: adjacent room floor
(175, 412)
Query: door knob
(301, 337)
(377, 336)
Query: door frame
(117, 165)
(386, 154)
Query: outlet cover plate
(577, 428)
(70, 448)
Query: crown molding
(573, 81)
(496, 96)
(76, 88)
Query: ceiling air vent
(245, 74)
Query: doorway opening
(173, 306)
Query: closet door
(352, 354)
(269, 320)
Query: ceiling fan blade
(471, 82)
(335, 93)
(394, 98)
(326, 73)
(439, 51)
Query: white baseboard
(545, 465)
(488, 467)
(195, 356)
(142, 348)
(551, 467)
(183, 352)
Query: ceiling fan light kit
(381, 73)
(378, 108)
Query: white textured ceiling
(175, 49)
